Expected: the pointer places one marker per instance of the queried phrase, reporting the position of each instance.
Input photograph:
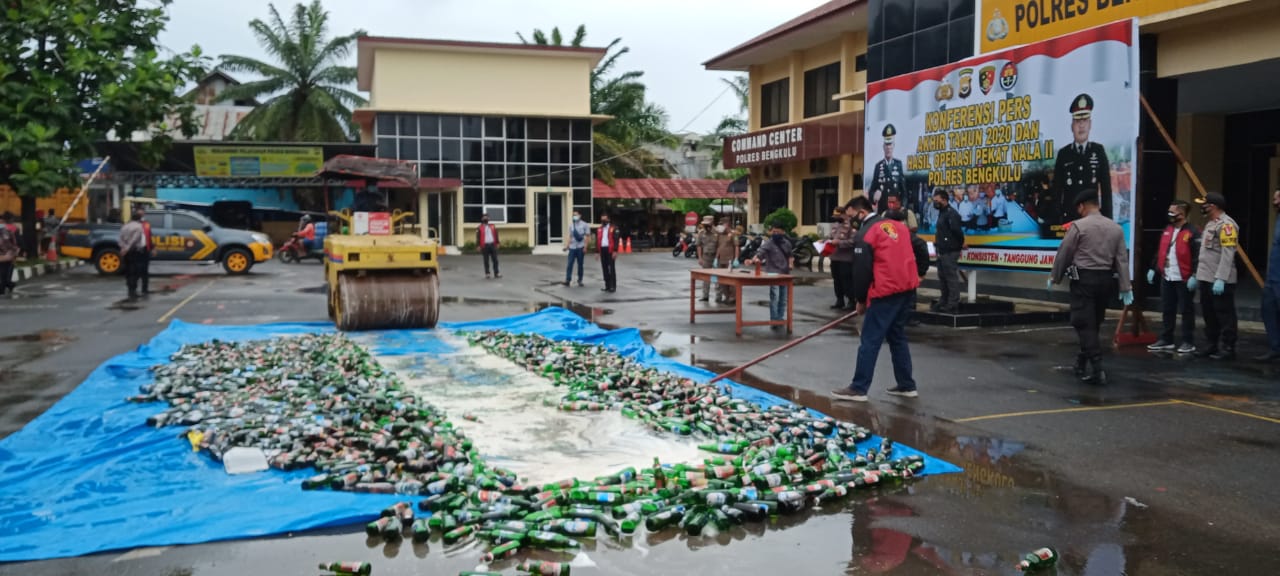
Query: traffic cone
(628, 245)
(52, 253)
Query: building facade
(513, 122)
(1210, 72)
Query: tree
(636, 121)
(732, 125)
(784, 218)
(74, 71)
(304, 97)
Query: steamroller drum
(387, 300)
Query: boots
(1097, 377)
(1225, 353)
(1082, 366)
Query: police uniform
(888, 176)
(1218, 245)
(706, 251)
(1095, 251)
(1082, 167)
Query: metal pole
(1195, 180)
(83, 188)
(787, 346)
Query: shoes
(903, 393)
(837, 306)
(565, 283)
(1210, 351)
(1224, 354)
(848, 394)
(1161, 344)
(1082, 366)
(1098, 377)
(496, 275)
(605, 289)
(948, 310)
(580, 284)
(704, 299)
(487, 276)
(1187, 349)
(1268, 357)
(912, 323)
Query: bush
(507, 246)
(782, 217)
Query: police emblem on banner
(986, 78)
(1008, 76)
(966, 82)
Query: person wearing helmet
(307, 231)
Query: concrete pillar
(796, 71)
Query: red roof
(813, 16)
(661, 189)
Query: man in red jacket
(607, 246)
(487, 242)
(1175, 265)
(884, 278)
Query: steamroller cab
(380, 276)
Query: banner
(258, 161)
(1008, 23)
(1012, 137)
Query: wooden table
(738, 279)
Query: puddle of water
(515, 427)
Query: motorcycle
(687, 245)
(748, 245)
(294, 251)
(803, 251)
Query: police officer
(888, 176)
(707, 251)
(1092, 254)
(1082, 165)
(1216, 273)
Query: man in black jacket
(948, 240)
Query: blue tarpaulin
(88, 475)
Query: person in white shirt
(576, 247)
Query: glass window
(899, 15)
(560, 131)
(581, 130)
(819, 198)
(471, 127)
(515, 128)
(472, 214)
(560, 152)
(429, 170)
(387, 148)
(875, 62)
(820, 84)
(582, 197)
(961, 9)
(451, 170)
(428, 125)
(537, 128)
(386, 125)
(584, 209)
(495, 151)
(450, 126)
(515, 151)
(451, 150)
(582, 153)
(537, 176)
(898, 58)
(472, 195)
(773, 195)
(472, 173)
(494, 174)
(408, 148)
(429, 149)
(185, 222)
(516, 214)
(860, 63)
(775, 102)
(931, 47)
(875, 22)
(515, 175)
(515, 196)
(960, 39)
(560, 175)
(408, 125)
(493, 127)
(930, 14)
(471, 151)
(581, 176)
(538, 152)
(495, 195)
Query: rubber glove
(1127, 297)
(1049, 284)
(1192, 284)
(1219, 286)
(1151, 276)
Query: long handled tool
(787, 346)
(84, 187)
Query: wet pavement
(1168, 470)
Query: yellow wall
(422, 80)
(844, 49)
(60, 201)
(1241, 39)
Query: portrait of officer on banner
(888, 177)
(1082, 165)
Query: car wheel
(237, 261)
(108, 261)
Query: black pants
(1089, 297)
(842, 275)
(134, 268)
(6, 277)
(949, 280)
(1175, 299)
(144, 275)
(1219, 316)
(490, 252)
(608, 268)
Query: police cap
(1213, 198)
(1086, 197)
(889, 132)
(1082, 107)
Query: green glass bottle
(504, 550)
(1039, 560)
(694, 522)
(544, 568)
(458, 533)
(552, 540)
(664, 519)
(421, 530)
(348, 568)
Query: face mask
(604, 222)
(576, 218)
(778, 237)
(1173, 217)
(939, 205)
(1204, 210)
(484, 221)
(720, 228)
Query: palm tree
(304, 98)
(617, 143)
(732, 125)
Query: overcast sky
(669, 39)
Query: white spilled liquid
(518, 431)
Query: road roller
(380, 277)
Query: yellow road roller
(379, 276)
